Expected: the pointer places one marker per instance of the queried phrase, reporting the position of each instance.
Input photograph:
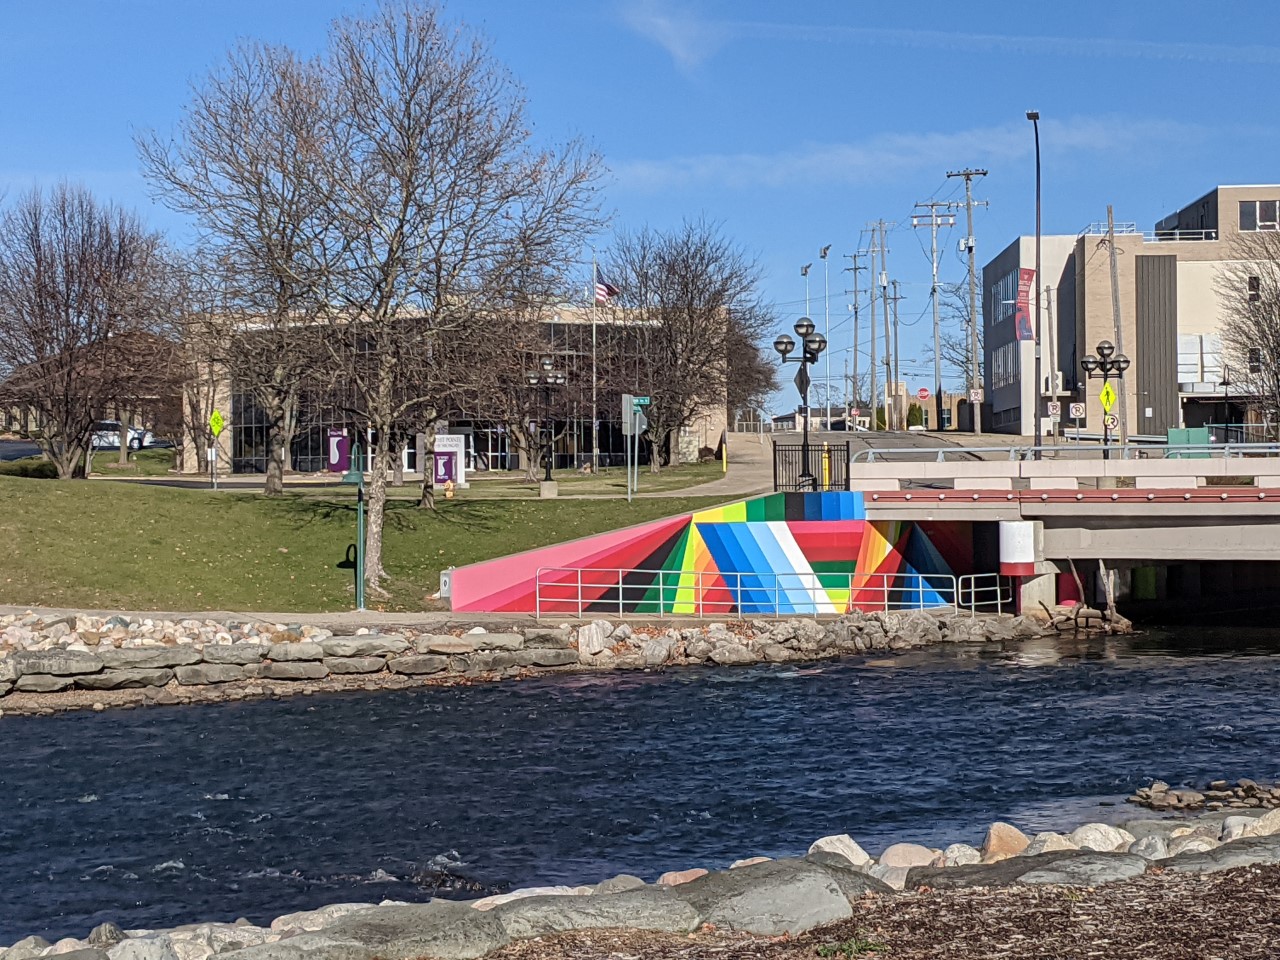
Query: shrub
(32, 467)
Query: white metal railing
(1130, 229)
(623, 591)
(1065, 451)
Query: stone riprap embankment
(80, 661)
(1218, 795)
(833, 882)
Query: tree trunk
(427, 499)
(374, 573)
(397, 463)
(281, 418)
(124, 437)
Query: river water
(169, 815)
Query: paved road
(17, 449)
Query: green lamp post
(355, 476)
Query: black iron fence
(828, 466)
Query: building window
(1256, 215)
(1255, 289)
(1004, 294)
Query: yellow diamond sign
(216, 423)
(1108, 397)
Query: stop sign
(923, 393)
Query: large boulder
(148, 657)
(1192, 843)
(906, 855)
(307, 946)
(1249, 852)
(842, 845)
(43, 683)
(126, 679)
(143, 948)
(731, 654)
(27, 948)
(499, 641)
(364, 645)
(623, 881)
(558, 638)
(56, 663)
(1150, 848)
(236, 653)
(1046, 843)
(446, 644)
(288, 652)
(348, 665)
(295, 670)
(199, 674)
(549, 657)
(776, 897)
(312, 920)
(1003, 840)
(1003, 873)
(593, 638)
(418, 665)
(441, 929)
(1087, 869)
(1100, 837)
(647, 908)
(958, 855)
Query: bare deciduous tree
(953, 302)
(445, 210)
(692, 297)
(79, 291)
(1249, 292)
(244, 165)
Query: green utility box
(1189, 437)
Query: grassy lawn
(152, 462)
(135, 546)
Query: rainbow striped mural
(784, 553)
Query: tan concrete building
(1170, 285)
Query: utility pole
(873, 398)
(933, 220)
(1115, 318)
(975, 381)
(899, 415)
(890, 422)
(855, 257)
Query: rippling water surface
(169, 815)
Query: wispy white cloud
(891, 157)
(691, 40)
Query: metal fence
(1115, 451)
(572, 591)
(828, 465)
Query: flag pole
(595, 417)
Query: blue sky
(793, 125)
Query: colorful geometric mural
(781, 553)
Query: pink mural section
(782, 553)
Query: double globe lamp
(813, 344)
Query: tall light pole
(826, 330)
(812, 344)
(1034, 117)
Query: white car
(106, 435)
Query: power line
(975, 404)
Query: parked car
(106, 434)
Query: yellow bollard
(826, 466)
(724, 453)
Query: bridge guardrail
(619, 591)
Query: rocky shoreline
(79, 661)
(836, 885)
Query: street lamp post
(812, 344)
(1105, 365)
(546, 379)
(1034, 117)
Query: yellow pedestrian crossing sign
(1108, 397)
(216, 423)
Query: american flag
(604, 289)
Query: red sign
(1022, 309)
(923, 393)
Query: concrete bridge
(1165, 511)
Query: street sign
(640, 401)
(802, 379)
(975, 396)
(1107, 397)
(1055, 409)
(1111, 421)
(923, 393)
(1077, 411)
(216, 423)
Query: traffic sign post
(1077, 414)
(216, 424)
